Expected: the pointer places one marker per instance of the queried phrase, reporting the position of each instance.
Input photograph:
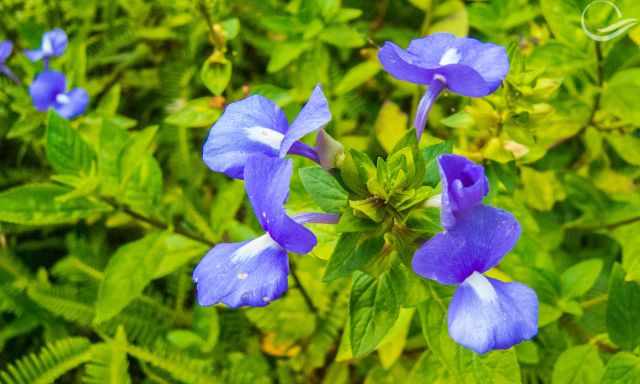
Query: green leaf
(352, 252)
(216, 73)
(342, 36)
(373, 309)
(541, 189)
(196, 113)
(67, 152)
(44, 203)
(627, 236)
(357, 76)
(579, 278)
(626, 145)
(324, 189)
(623, 310)
(285, 54)
(430, 154)
(392, 345)
(623, 368)
(620, 96)
(578, 365)
(134, 265)
(390, 125)
(563, 17)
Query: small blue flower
(256, 125)
(6, 47)
(254, 272)
(53, 44)
(463, 65)
(484, 313)
(48, 90)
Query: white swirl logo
(612, 31)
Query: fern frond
(178, 365)
(51, 362)
(142, 321)
(109, 363)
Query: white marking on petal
(482, 287)
(440, 78)
(47, 47)
(252, 249)
(266, 136)
(242, 275)
(61, 98)
(266, 299)
(450, 56)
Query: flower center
(482, 287)
(61, 98)
(266, 136)
(450, 56)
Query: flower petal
(313, 116)
(267, 185)
(34, 54)
(249, 126)
(44, 89)
(6, 47)
(477, 243)
(487, 314)
(54, 43)
(402, 64)
(464, 185)
(75, 104)
(464, 80)
(252, 273)
(426, 102)
(469, 67)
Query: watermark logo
(609, 32)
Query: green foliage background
(102, 219)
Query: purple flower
(484, 313)
(48, 90)
(255, 272)
(53, 44)
(6, 47)
(256, 125)
(441, 60)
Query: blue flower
(254, 272)
(256, 125)
(6, 47)
(463, 65)
(53, 44)
(48, 90)
(484, 313)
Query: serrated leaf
(373, 310)
(353, 251)
(67, 152)
(578, 365)
(324, 189)
(41, 204)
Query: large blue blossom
(254, 272)
(256, 125)
(6, 47)
(463, 65)
(48, 90)
(53, 44)
(484, 313)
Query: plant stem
(305, 294)
(610, 226)
(595, 301)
